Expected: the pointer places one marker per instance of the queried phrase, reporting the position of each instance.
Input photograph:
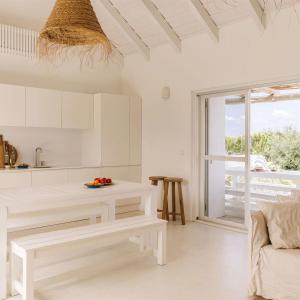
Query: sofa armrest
(258, 238)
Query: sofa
(274, 273)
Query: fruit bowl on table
(99, 182)
(93, 186)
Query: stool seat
(157, 178)
(173, 179)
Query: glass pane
(225, 121)
(275, 137)
(225, 190)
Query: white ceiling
(180, 14)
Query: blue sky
(264, 116)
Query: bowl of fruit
(99, 182)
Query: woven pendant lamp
(73, 27)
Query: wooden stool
(154, 181)
(166, 212)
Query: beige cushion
(283, 221)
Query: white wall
(70, 76)
(61, 147)
(244, 54)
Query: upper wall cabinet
(115, 130)
(12, 105)
(77, 110)
(43, 108)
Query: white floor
(203, 263)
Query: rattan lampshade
(72, 25)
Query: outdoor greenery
(281, 148)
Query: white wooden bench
(106, 233)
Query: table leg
(111, 210)
(3, 252)
(151, 201)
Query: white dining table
(34, 199)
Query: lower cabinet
(119, 173)
(47, 177)
(11, 180)
(83, 174)
(40, 178)
(135, 174)
(129, 173)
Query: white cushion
(283, 221)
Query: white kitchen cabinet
(83, 174)
(15, 179)
(115, 130)
(126, 174)
(77, 110)
(116, 173)
(43, 108)
(43, 177)
(135, 131)
(116, 139)
(135, 174)
(12, 105)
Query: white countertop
(49, 169)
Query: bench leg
(13, 272)
(28, 281)
(93, 220)
(105, 214)
(112, 211)
(3, 253)
(162, 246)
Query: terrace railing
(264, 186)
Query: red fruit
(108, 180)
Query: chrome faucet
(38, 152)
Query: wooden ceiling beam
(210, 24)
(258, 14)
(130, 32)
(164, 25)
(117, 56)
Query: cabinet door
(41, 178)
(124, 173)
(77, 110)
(115, 130)
(135, 131)
(43, 108)
(115, 173)
(12, 180)
(135, 174)
(83, 174)
(12, 105)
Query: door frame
(196, 185)
(205, 157)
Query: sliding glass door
(224, 168)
